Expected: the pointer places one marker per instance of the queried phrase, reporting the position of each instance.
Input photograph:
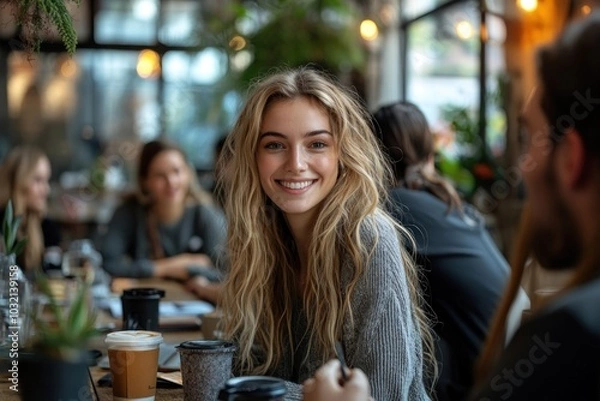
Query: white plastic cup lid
(134, 338)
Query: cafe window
(139, 72)
(454, 70)
(198, 102)
(442, 64)
(132, 22)
(179, 21)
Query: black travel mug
(253, 388)
(140, 308)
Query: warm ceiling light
(369, 30)
(464, 30)
(586, 9)
(237, 43)
(148, 65)
(528, 5)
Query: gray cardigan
(125, 246)
(385, 341)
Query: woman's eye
(273, 146)
(319, 145)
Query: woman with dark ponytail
(463, 272)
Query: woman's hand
(176, 267)
(204, 289)
(198, 259)
(326, 385)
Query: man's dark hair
(569, 72)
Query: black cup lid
(253, 386)
(143, 293)
(206, 344)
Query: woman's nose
(171, 180)
(297, 160)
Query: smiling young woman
(314, 258)
(168, 228)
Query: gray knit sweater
(385, 341)
(125, 246)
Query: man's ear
(572, 160)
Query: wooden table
(173, 292)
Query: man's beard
(556, 241)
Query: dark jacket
(464, 277)
(553, 356)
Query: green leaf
(58, 14)
(8, 214)
(12, 234)
(19, 246)
(6, 228)
(76, 322)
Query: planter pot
(42, 377)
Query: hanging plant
(287, 33)
(323, 32)
(36, 18)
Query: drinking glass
(82, 261)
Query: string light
(464, 30)
(528, 5)
(586, 9)
(148, 65)
(369, 30)
(237, 43)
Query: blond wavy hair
(16, 174)
(263, 258)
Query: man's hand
(326, 385)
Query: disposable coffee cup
(140, 308)
(133, 359)
(205, 367)
(211, 325)
(253, 388)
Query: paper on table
(173, 377)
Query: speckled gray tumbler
(205, 367)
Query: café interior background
(179, 68)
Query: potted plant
(472, 169)
(53, 363)
(55, 360)
(11, 246)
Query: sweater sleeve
(384, 340)
(213, 229)
(294, 391)
(118, 242)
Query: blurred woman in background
(168, 228)
(465, 273)
(24, 179)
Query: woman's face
(38, 188)
(168, 178)
(297, 156)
